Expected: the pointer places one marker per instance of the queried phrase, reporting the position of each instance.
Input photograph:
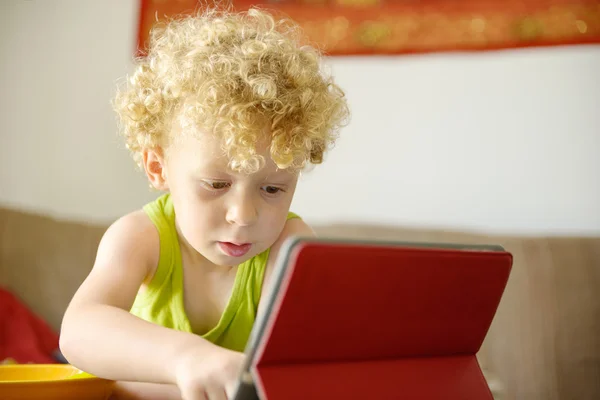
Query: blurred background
(495, 146)
(498, 141)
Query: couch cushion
(44, 260)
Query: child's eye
(272, 189)
(217, 185)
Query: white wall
(59, 151)
(503, 141)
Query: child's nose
(242, 212)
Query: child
(222, 115)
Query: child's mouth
(235, 250)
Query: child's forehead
(205, 151)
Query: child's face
(228, 217)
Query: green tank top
(162, 303)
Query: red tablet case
(378, 321)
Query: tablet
(369, 319)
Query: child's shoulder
(131, 236)
(134, 224)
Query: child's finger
(216, 393)
(194, 394)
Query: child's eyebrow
(212, 171)
(281, 175)
(211, 164)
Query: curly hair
(244, 76)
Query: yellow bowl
(51, 382)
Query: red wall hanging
(370, 27)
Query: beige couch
(544, 343)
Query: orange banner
(369, 27)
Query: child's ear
(154, 165)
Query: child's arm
(100, 336)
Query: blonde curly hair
(244, 76)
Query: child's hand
(208, 377)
